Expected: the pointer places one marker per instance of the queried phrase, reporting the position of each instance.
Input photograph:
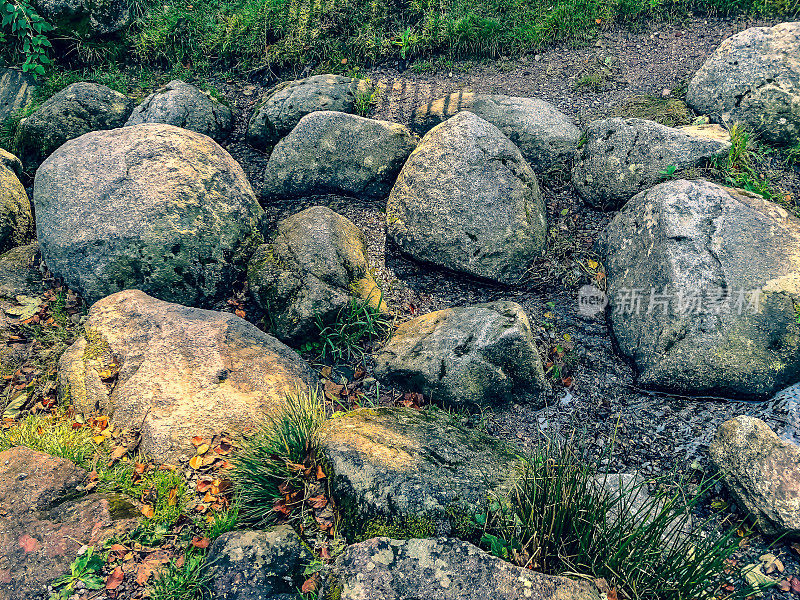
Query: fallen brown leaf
(115, 579)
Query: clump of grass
(367, 99)
(667, 111)
(596, 75)
(273, 460)
(54, 435)
(223, 521)
(343, 340)
(190, 581)
(164, 490)
(744, 165)
(560, 519)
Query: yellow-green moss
(398, 529)
(96, 344)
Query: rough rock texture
(19, 272)
(291, 101)
(44, 521)
(467, 200)
(257, 565)
(152, 207)
(10, 161)
(77, 109)
(313, 268)
(85, 18)
(333, 152)
(476, 355)
(16, 92)
(182, 371)
(761, 471)
(443, 569)
(183, 105)
(723, 267)
(16, 220)
(622, 157)
(754, 78)
(546, 137)
(401, 464)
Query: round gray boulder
(312, 269)
(291, 101)
(622, 157)
(152, 207)
(467, 200)
(546, 137)
(184, 105)
(333, 152)
(754, 78)
(477, 355)
(77, 109)
(704, 290)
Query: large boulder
(152, 207)
(761, 471)
(77, 109)
(16, 220)
(411, 470)
(16, 92)
(704, 285)
(467, 200)
(443, 569)
(291, 101)
(338, 153)
(477, 355)
(85, 19)
(257, 565)
(184, 105)
(45, 520)
(313, 268)
(546, 137)
(10, 161)
(177, 372)
(622, 157)
(754, 78)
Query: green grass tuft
(270, 457)
(191, 581)
(559, 519)
(52, 435)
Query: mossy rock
(405, 471)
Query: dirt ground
(654, 433)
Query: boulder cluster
(143, 213)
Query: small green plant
(270, 460)
(359, 322)
(406, 40)
(86, 569)
(667, 173)
(19, 17)
(190, 581)
(52, 435)
(223, 521)
(743, 166)
(366, 99)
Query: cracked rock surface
(704, 289)
(177, 372)
(152, 207)
(622, 157)
(467, 200)
(184, 105)
(754, 78)
(475, 355)
(443, 569)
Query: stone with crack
(176, 372)
(704, 290)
